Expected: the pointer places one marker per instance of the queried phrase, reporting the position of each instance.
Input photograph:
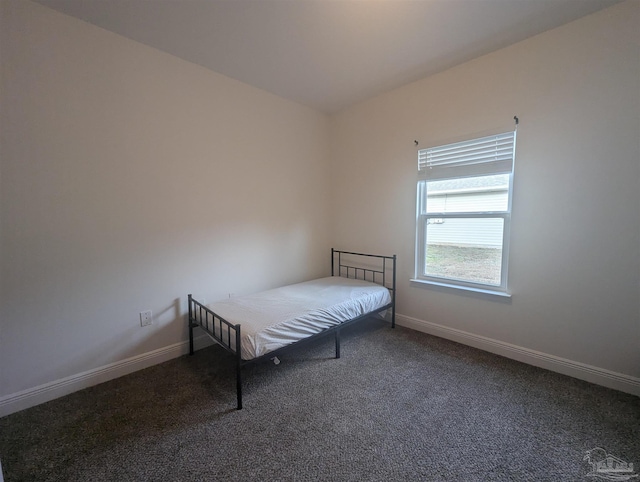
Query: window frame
(422, 217)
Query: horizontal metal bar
(364, 254)
(361, 269)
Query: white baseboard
(582, 371)
(43, 393)
(58, 388)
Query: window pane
(464, 249)
(469, 194)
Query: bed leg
(337, 343)
(238, 368)
(190, 327)
(393, 295)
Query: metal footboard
(202, 317)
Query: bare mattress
(275, 318)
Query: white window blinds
(475, 157)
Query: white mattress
(276, 318)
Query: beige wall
(131, 178)
(575, 244)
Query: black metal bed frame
(202, 317)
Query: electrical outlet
(146, 318)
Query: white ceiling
(327, 54)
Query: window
(464, 212)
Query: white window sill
(489, 292)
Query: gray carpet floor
(398, 406)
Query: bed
(261, 326)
